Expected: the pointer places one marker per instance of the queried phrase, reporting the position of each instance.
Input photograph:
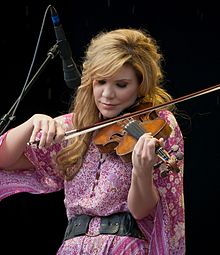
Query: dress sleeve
(165, 228)
(43, 178)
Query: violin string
(134, 129)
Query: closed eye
(122, 85)
(101, 82)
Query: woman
(114, 206)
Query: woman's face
(114, 95)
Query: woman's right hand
(51, 130)
(41, 128)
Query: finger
(138, 148)
(52, 129)
(60, 133)
(149, 148)
(36, 130)
(161, 141)
(44, 133)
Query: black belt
(122, 224)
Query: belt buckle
(88, 232)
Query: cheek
(96, 96)
(129, 97)
(95, 93)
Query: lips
(108, 106)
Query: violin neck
(136, 130)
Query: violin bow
(75, 132)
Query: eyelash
(102, 82)
(121, 85)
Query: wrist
(142, 173)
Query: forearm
(143, 195)
(14, 144)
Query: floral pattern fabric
(85, 194)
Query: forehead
(125, 72)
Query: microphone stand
(7, 118)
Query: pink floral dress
(164, 229)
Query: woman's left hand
(143, 155)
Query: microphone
(72, 76)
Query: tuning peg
(164, 173)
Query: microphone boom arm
(7, 118)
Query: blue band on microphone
(55, 20)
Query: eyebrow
(123, 79)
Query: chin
(109, 115)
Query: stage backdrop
(189, 38)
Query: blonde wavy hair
(105, 55)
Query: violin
(122, 137)
(150, 123)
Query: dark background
(189, 37)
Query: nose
(108, 91)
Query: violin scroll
(170, 161)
